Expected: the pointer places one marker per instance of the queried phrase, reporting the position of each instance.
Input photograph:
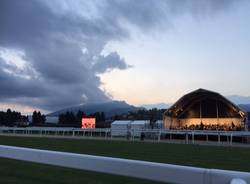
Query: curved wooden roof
(189, 101)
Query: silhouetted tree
(38, 119)
(70, 119)
(79, 116)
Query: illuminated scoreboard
(88, 122)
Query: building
(137, 126)
(120, 127)
(128, 127)
(203, 109)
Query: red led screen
(88, 122)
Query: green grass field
(11, 171)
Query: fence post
(159, 136)
(186, 138)
(193, 137)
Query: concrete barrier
(133, 168)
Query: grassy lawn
(231, 158)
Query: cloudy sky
(61, 53)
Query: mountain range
(237, 99)
(242, 101)
(245, 107)
(110, 108)
(157, 106)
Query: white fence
(188, 136)
(124, 167)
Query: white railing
(101, 129)
(189, 136)
(163, 131)
(132, 168)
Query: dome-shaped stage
(203, 109)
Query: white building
(138, 126)
(120, 127)
(127, 127)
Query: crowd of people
(201, 126)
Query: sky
(62, 53)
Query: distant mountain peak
(110, 108)
(157, 106)
(237, 99)
(245, 107)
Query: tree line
(38, 119)
(12, 118)
(142, 114)
(75, 119)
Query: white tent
(120, 127)
(137, 126)
(127, 127)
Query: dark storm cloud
(13, 86)
(63, 50)
(105, 63)
(52, 46)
